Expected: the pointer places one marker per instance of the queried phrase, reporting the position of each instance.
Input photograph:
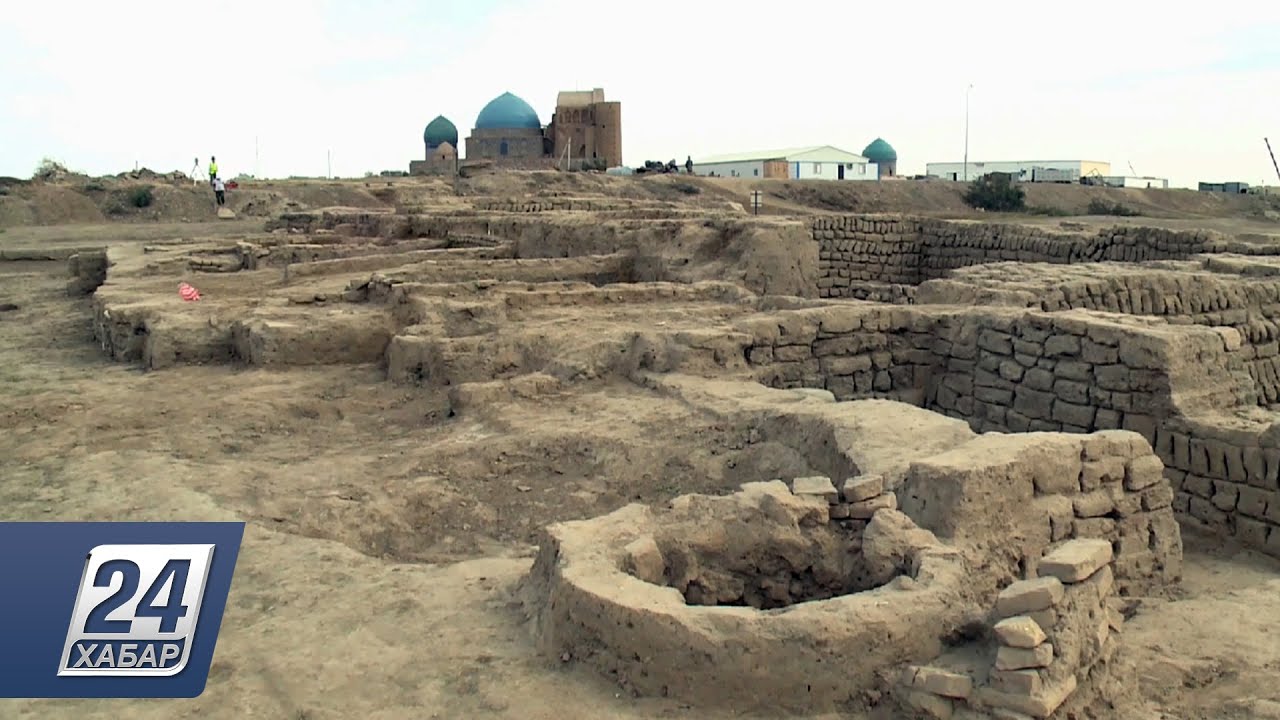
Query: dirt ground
(73, 199)
(384, 538)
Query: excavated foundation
(799, 597)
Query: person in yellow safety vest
(213, 169)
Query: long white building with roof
(818, 162)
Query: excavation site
(537, 444)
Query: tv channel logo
(112, 609)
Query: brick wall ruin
(1186, 389)
(860, 251)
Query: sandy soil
(385, 538)
(79, 199)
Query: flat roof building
(816, 162)
(1021, 169)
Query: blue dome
(880, 152)
(440, 131)
(507, 112)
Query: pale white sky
(1185, 92)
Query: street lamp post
(966, 132)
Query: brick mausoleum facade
(586, 130)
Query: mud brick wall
(1226, 479)
(855, 352)
(1250, 306)
(1077, 373)
(1036, 491)
(902, 249)
(1181, 387)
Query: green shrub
(996, 192)
(141, 197)
(1102, 207)
(49, 169)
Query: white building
(820, 162)
(1028, 170)
(1128, 181)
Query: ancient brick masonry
(1052, 633)
(1184, 293)
(1185, 388)
(857, 251)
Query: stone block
(1252, 533)
(1198, 485)
(1033, 404)
(1011, 371)
(1038, 379)
(1100, 583)
(839, 511)
(1029, 596)
(930, 705)
(1046, 619)
(1017, 682)
(817, 486)
(867, 508)
(1081, 415)
(644, 560)
(1062, 345)
(1106, 419)
(1094, 473)
(1075, 560)
(1143, 472)
(1204, 511)
(1161, 496)
(1039, 706)
(1102, 528)
(1020, 631)
(1012, 658)
(792, 353)
(1253, 502)
(863, 487)
(1093, 504)
(1109, 444)
(938, 681)
(1225, 496)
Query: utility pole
(966, 132)
(255, 156)
(1273, 156)
(328, 158)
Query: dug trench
(279, 447)
(338, 453)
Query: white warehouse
(821, 162)
(1028, 170)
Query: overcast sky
(1184, 91)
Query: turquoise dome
(880, 151)
(440, 131)
(507, 112)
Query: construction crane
(1273, 156)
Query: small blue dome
(507, 112)
(880, 152)
(440, 131)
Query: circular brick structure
(758, 599)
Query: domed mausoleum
(585, 131)
(440, 131)
(884, 156)
(508, 112)
(509, 132)
(441, 139)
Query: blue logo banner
(112, 610)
